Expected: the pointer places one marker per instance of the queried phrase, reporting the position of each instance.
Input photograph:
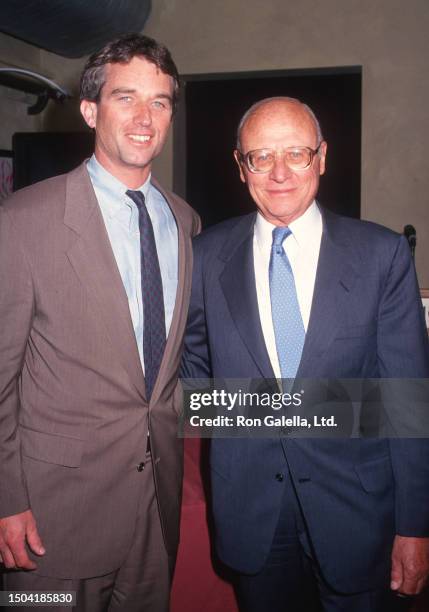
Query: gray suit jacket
(73, 411)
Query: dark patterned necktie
(154, 336)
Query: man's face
(282, 194)
(131, 119)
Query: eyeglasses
(259, 161)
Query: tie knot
(279, 235)
(137, 197)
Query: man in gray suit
(95, 271)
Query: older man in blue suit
(296, 291)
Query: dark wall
(40, 155)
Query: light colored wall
(387, 37)
(66, 72)
(13, 104)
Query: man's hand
(410, 564)
(15, 532)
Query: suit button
(279, 477)
(140, 467)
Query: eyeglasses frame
(244, 157)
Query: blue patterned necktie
(154, 337)
(287, 321)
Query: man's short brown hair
(122, 51)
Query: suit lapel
(94, 262)
(238, 285)
(335, 278)
(183, 290)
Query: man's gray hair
(260, 103)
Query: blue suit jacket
(366, 322)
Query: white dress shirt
(302, 248)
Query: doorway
(205, 173)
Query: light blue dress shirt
(121, 218)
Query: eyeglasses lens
(262, 160)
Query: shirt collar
(112, 188)
(302, 228)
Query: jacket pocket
(51, 448)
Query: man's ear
(89, 112)
(237, 157)
(322, 152)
